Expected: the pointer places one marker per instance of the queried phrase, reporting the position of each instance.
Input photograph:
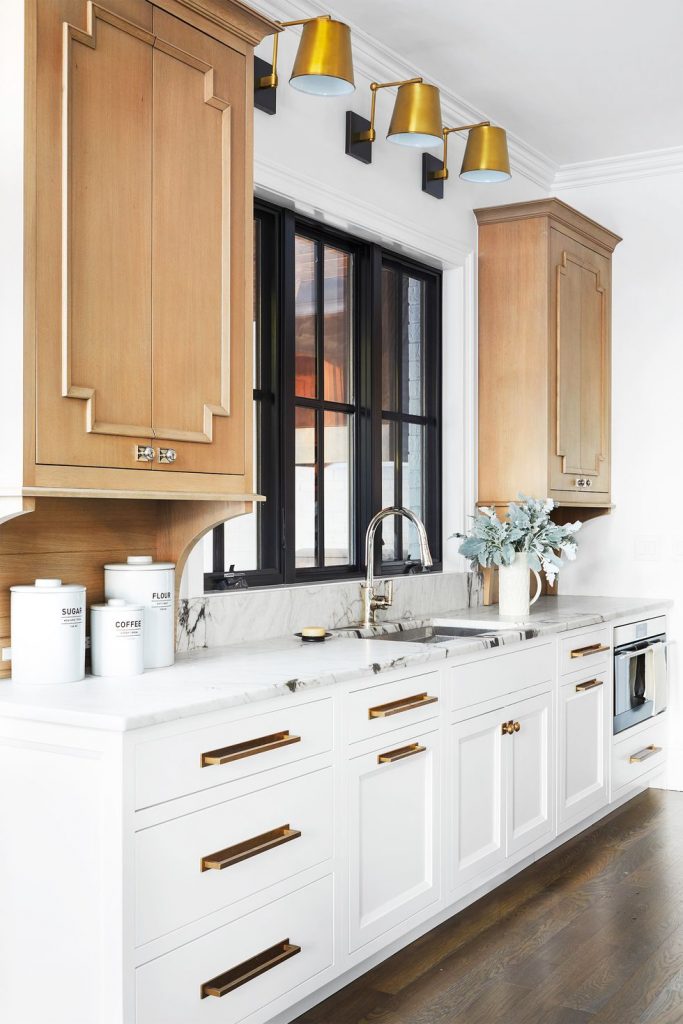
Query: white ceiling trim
(377, 62)
(620, 168)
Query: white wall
(638, 549)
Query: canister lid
(140, 562)
(49, 586)
(115, 604)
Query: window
(347, 399)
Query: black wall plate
(433, 187)
(358, 150)
(264, 99)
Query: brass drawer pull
(400, 753)
(583, 652)
(249, 969)
(394, 707)
(249, 848)
(508, 728)
(590, 684)
(642, 755)
(248, 747)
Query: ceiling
(576, 79)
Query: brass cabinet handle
(248, 747)
(249, 848)
(249, 969)
(583, 652)
(400, 753)
(394, 707)
(506, 728)
(517, 726)
(590, 684)
(642, 755)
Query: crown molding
(620, 168)
(378, 63)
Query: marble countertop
(214, 679)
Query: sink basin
(435, 634)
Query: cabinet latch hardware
(167, 455)
(144, 453)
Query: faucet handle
(385, 599)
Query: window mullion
(287, 388)
(320, 415)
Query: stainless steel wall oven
(641, 674)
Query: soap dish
(313, 639)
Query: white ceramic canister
(116, 638)
(140, 580)
(48, 632)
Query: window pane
(305, 317)
(412, 457)
(390, 328)
(338, 488)
(389, 497)
(412, 354)
(305, 488)
(338, 325)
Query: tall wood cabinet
(139, 248)
(544, 354)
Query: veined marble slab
(214, 679)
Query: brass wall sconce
(323, 65)
(486, 158)
(416, 120)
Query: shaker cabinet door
(476, 794)
(530, 790)
(584, 743)
(393, 835)
(580, 456)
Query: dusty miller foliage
(527, 528)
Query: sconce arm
(442, 174)
(370, 135)
(271, 81)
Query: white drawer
(193, 761)
(172, 989)
(376, 710)
(509, 672)
(639, 752)
(259, 839)
(581, 653)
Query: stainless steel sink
(435, 634)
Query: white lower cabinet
(234, 971)
(584, 735)
(393, 834)
(501, 785)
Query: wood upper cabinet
(544, 354)
(142, 195)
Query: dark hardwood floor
(592, 934)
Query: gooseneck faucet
(372, 601)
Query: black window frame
(276, 402)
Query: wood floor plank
(591, 934)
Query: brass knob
(517, 726)
(507, 728)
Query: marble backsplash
(236, 616)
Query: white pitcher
(513, 588)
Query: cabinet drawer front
(380, 709)
(201, 862)
(254, 960)
(176, 765)
(584, 737)
(479, 681)
(582, 653)
(638, 754)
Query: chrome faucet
(372, 601)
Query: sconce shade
(324, 64)
(486, 155)
(416, 120)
